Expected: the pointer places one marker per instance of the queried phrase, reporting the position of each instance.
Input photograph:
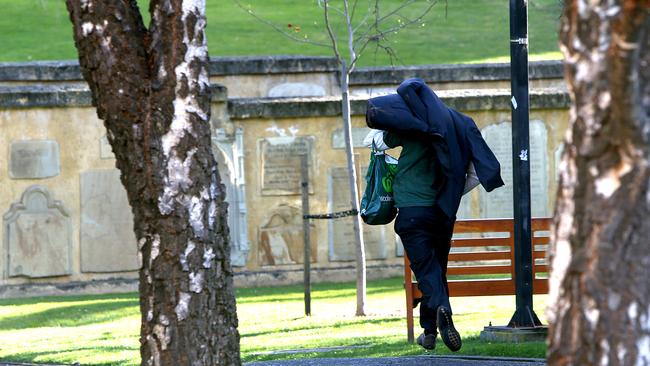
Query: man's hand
(376, 136)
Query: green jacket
(416, 171)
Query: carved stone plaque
(281, 239)
(498, 203)
(358, 134)
(38, 236)
(341, 233)
(280, 164)
(34, 159)
(108, 243)
(297, 90)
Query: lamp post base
(514, 335)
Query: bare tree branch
(392, 55)
(332, 7)
(353, 11)
(397, 9)
(363, 22)
(348, 22)
(278, 29)
(381, 34)
(331, 32)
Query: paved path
(409, 361)
(389, 361)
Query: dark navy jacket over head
(416, 112)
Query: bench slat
(472, 270)
(538, 254)
(541, 268)
(541, 223)
(479, 256)
(481, 287)
(482, 242)
(483, 225)
(541, 240)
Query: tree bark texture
(599, 311)
(151, 89)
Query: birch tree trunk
(151, 89)
(360, 250)
(600, 256)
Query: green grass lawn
(104, 329)
(459, 32)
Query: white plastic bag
(378, 137)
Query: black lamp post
(524, 315)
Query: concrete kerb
(3, 363)
(425, 360)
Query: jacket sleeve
(486, 164)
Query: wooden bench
(484, 249)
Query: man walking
(443, 156)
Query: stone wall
(67, 226)
(308, 76)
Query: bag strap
(374, 149)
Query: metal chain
(333, 215)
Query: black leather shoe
(448, 333)
(427, 341)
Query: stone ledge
(32, 96)
(271, 65)
(453, 73)
(463, 100)
(69, 70)
(39, 95)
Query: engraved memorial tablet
(281, 239)
(108, 243)
(280, 164)
(34, 159)
(37, 236)
(498, 203)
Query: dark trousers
(426, 235)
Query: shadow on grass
(376, 347)
(319, 291)
(396, 347)
(62, 299)
(73, 315)
(48, 356)
(323, 325)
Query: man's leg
(414, 226)
(428, 317)
(443, 230)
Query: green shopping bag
(377, 204)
